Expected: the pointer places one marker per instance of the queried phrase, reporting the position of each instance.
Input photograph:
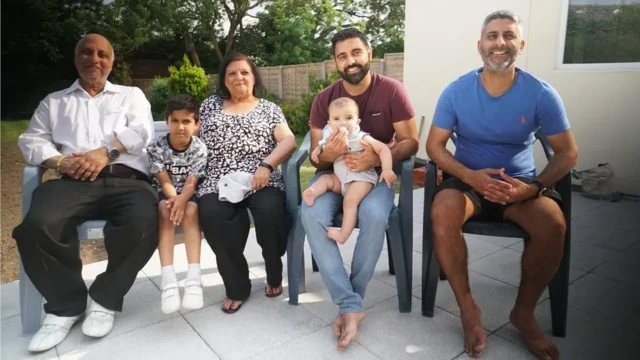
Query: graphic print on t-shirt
(179, 164)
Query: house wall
(440, 45)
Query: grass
(11, 129)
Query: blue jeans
(373, 216)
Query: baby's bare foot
(334, 233)
(309, 196)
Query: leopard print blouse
(237, 142)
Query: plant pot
(419, 174)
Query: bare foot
(334, 233)
(309, 196)
(272, 291)
(229, 304)
(533, 335)
(474, 335)
(337, 326)
(349, 328)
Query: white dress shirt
(71, 120)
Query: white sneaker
(99, 321)
(170, 298)
(54, 329)
(192, 299)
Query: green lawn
(306, 170)
(11, 129)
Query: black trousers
(226, 228)
(49, 247)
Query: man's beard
(503, 66)
(355, 78)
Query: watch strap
(539, 185)
(266, 165)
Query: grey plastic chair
(399, 232)
(30, 298)
(559, 285)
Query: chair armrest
(31, 179)
(548, 150)
(404, 169)
(430, 184)
(405, 200)
(292, 175)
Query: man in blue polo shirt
(494, 112)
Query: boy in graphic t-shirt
(177, 161)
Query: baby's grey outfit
(340, 168)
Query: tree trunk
(190, 48)
(214, 41)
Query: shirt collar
(109, 87)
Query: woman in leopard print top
(244, 134)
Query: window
(601, 33)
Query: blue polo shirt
(498, 131)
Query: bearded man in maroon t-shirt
(388, 116)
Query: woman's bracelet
(59, 161)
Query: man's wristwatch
(539, 185)
(112, 152)
(266, 165)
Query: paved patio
(603, 320)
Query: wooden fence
(291, 81)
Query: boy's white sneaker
(54, 329)
(170, 298)
(192, 299)
(99, 321)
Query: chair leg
(430, 273)
(559, 292)
(30, 304)
(392, 271)
(314, 266)
(430, 266)
(295, 262)
(443, 276)
(394, 234)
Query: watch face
(114, 153)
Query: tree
(382, 22)
(293, 31)
(38, 42)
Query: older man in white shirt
(94, 134)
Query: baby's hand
(315, 155)
(389, 177)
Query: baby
(354, 186)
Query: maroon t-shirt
(382, 104)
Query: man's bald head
(94, 58)
(94, 37)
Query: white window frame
(591, 66)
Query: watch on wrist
(539, 185)
(266, 165)
(112, 152)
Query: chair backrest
(160, 128)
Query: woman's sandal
(273, 294)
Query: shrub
(271, 97)
(121, 74)
(297, 112)
(188, 79)
(159, 95)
